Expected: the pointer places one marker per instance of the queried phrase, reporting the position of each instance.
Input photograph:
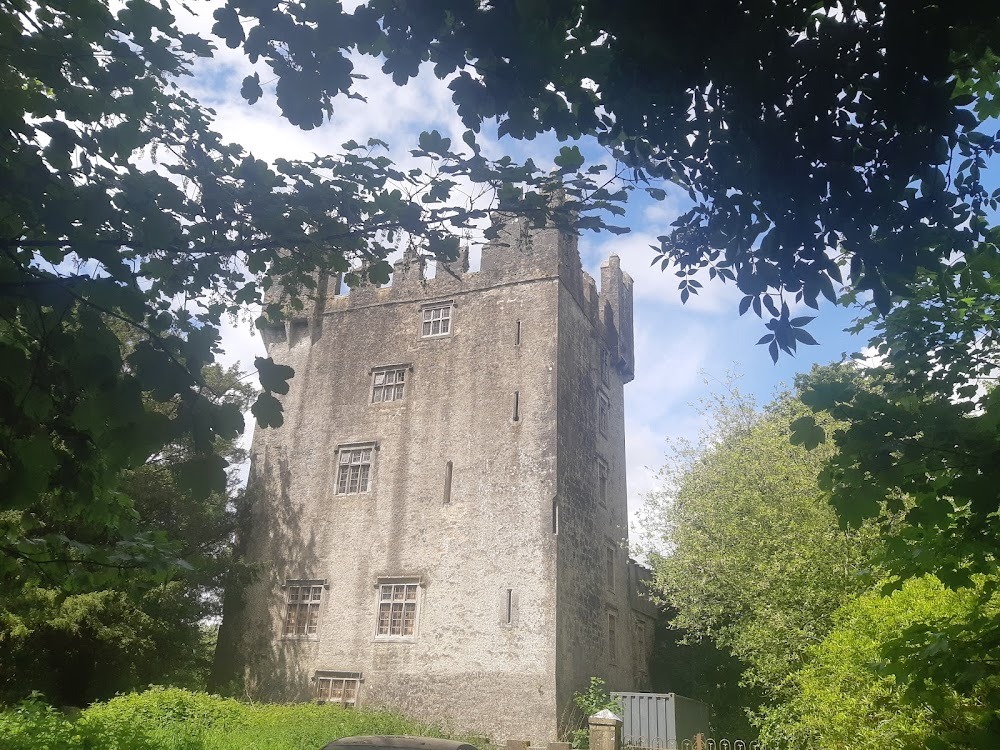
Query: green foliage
(925, 442)
(822, 144)
(808, 136)
(751, 556)
(305, 727)
(844, 136)
(845, 143)
(701, 670)
(35, 725)
(171, 719)
(78, 637)
(116, 274)
(845, 696)
(76, 648)
(592, 700)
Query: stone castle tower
(442, 516)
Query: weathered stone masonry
(457, 552)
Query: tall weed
(175, 719)
(34, 725)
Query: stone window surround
(449, 471)
(427, 319)
(368, 445)
(603, 412)
(401, 384)
(509, 606)
(326, 684)
(403, 580)
(304, 610)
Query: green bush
(309, 726)
(594, 699)
(175, 719)
(34, 725)
(160, 719)
(841, 699)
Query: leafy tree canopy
(129, 229)
(92, 623)
(926, 441)
(822, 142)
(808, 133)
(752, 555)
(845, 697)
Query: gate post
(605, 731)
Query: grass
(173, 719)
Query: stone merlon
(616, 309)
(519, 253)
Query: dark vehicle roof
(397, 742)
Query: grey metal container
(661, 720)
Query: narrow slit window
(517, 333)
(612, 638)
(555, 515)
(603, 408)
(602, 482)
(510, 606)
(517, 405)
(447, 482)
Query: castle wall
(593, 535)
(493, 534)
(510, 560)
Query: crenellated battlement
(519, 254)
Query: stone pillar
(605, 731)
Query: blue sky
(675, 344)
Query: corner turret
(616, 310)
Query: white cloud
(657, 287)
(657, 403)
(242, 343)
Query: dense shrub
(309, 726)
(33, 725)
(841, 697)
(160, 719)
(174, 719)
